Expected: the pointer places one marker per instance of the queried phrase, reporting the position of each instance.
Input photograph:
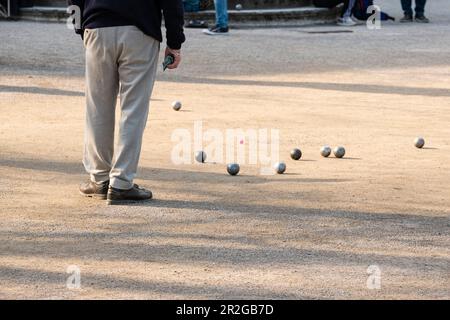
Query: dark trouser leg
(328, 3)
(407, 7)
(420, 7)
(331, 4)
(348, 8)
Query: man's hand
(176, 54)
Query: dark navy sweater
(144, 14)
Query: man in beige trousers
(122, 41)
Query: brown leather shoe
(95, 190)
(133, 195)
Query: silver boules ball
(325, 151)
(339, 152)
(419, 142)
(200, 156)
(239, 6)
(296, 154)
(177, 105)
(280, 167)
(233, 169)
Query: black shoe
(217, 31)
(407, 18)
(135, 194)
(95, 190)
(197, 24)
(422, 19)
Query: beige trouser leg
(125, 58)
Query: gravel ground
(309, 234)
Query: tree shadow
(126, 243)
(267, 236)
(156, 174)
(40, 90)
(154, 287)
(323, 86)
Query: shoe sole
(125, 202)
(216, 34)
(344, 24)
(94, 196)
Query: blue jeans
(348, 13)
(221, 13)
(420, 7)
(191, 5)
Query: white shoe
(357, 21)
(217, 31)
(346, 22)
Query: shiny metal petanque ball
(200, 156)
(325, 151)
(339, 152)
(419, 142)
(176, 105)
(233, 169)
(280, 167)
(239, 6)
(296, 154)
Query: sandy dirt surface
(309, 234)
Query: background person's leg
(194, 6)
(138, 62)
(221, 13)
(420, 7)
(102, 86)
(191, 5)
(328, 3)
(345, 19)
(345, 12)
(347, 9)
(407, 7)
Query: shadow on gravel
(116, 283)
(139, 243)
(225, 232)
(159, 174)
(344, 87)
(39, 90)
(287, 213)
